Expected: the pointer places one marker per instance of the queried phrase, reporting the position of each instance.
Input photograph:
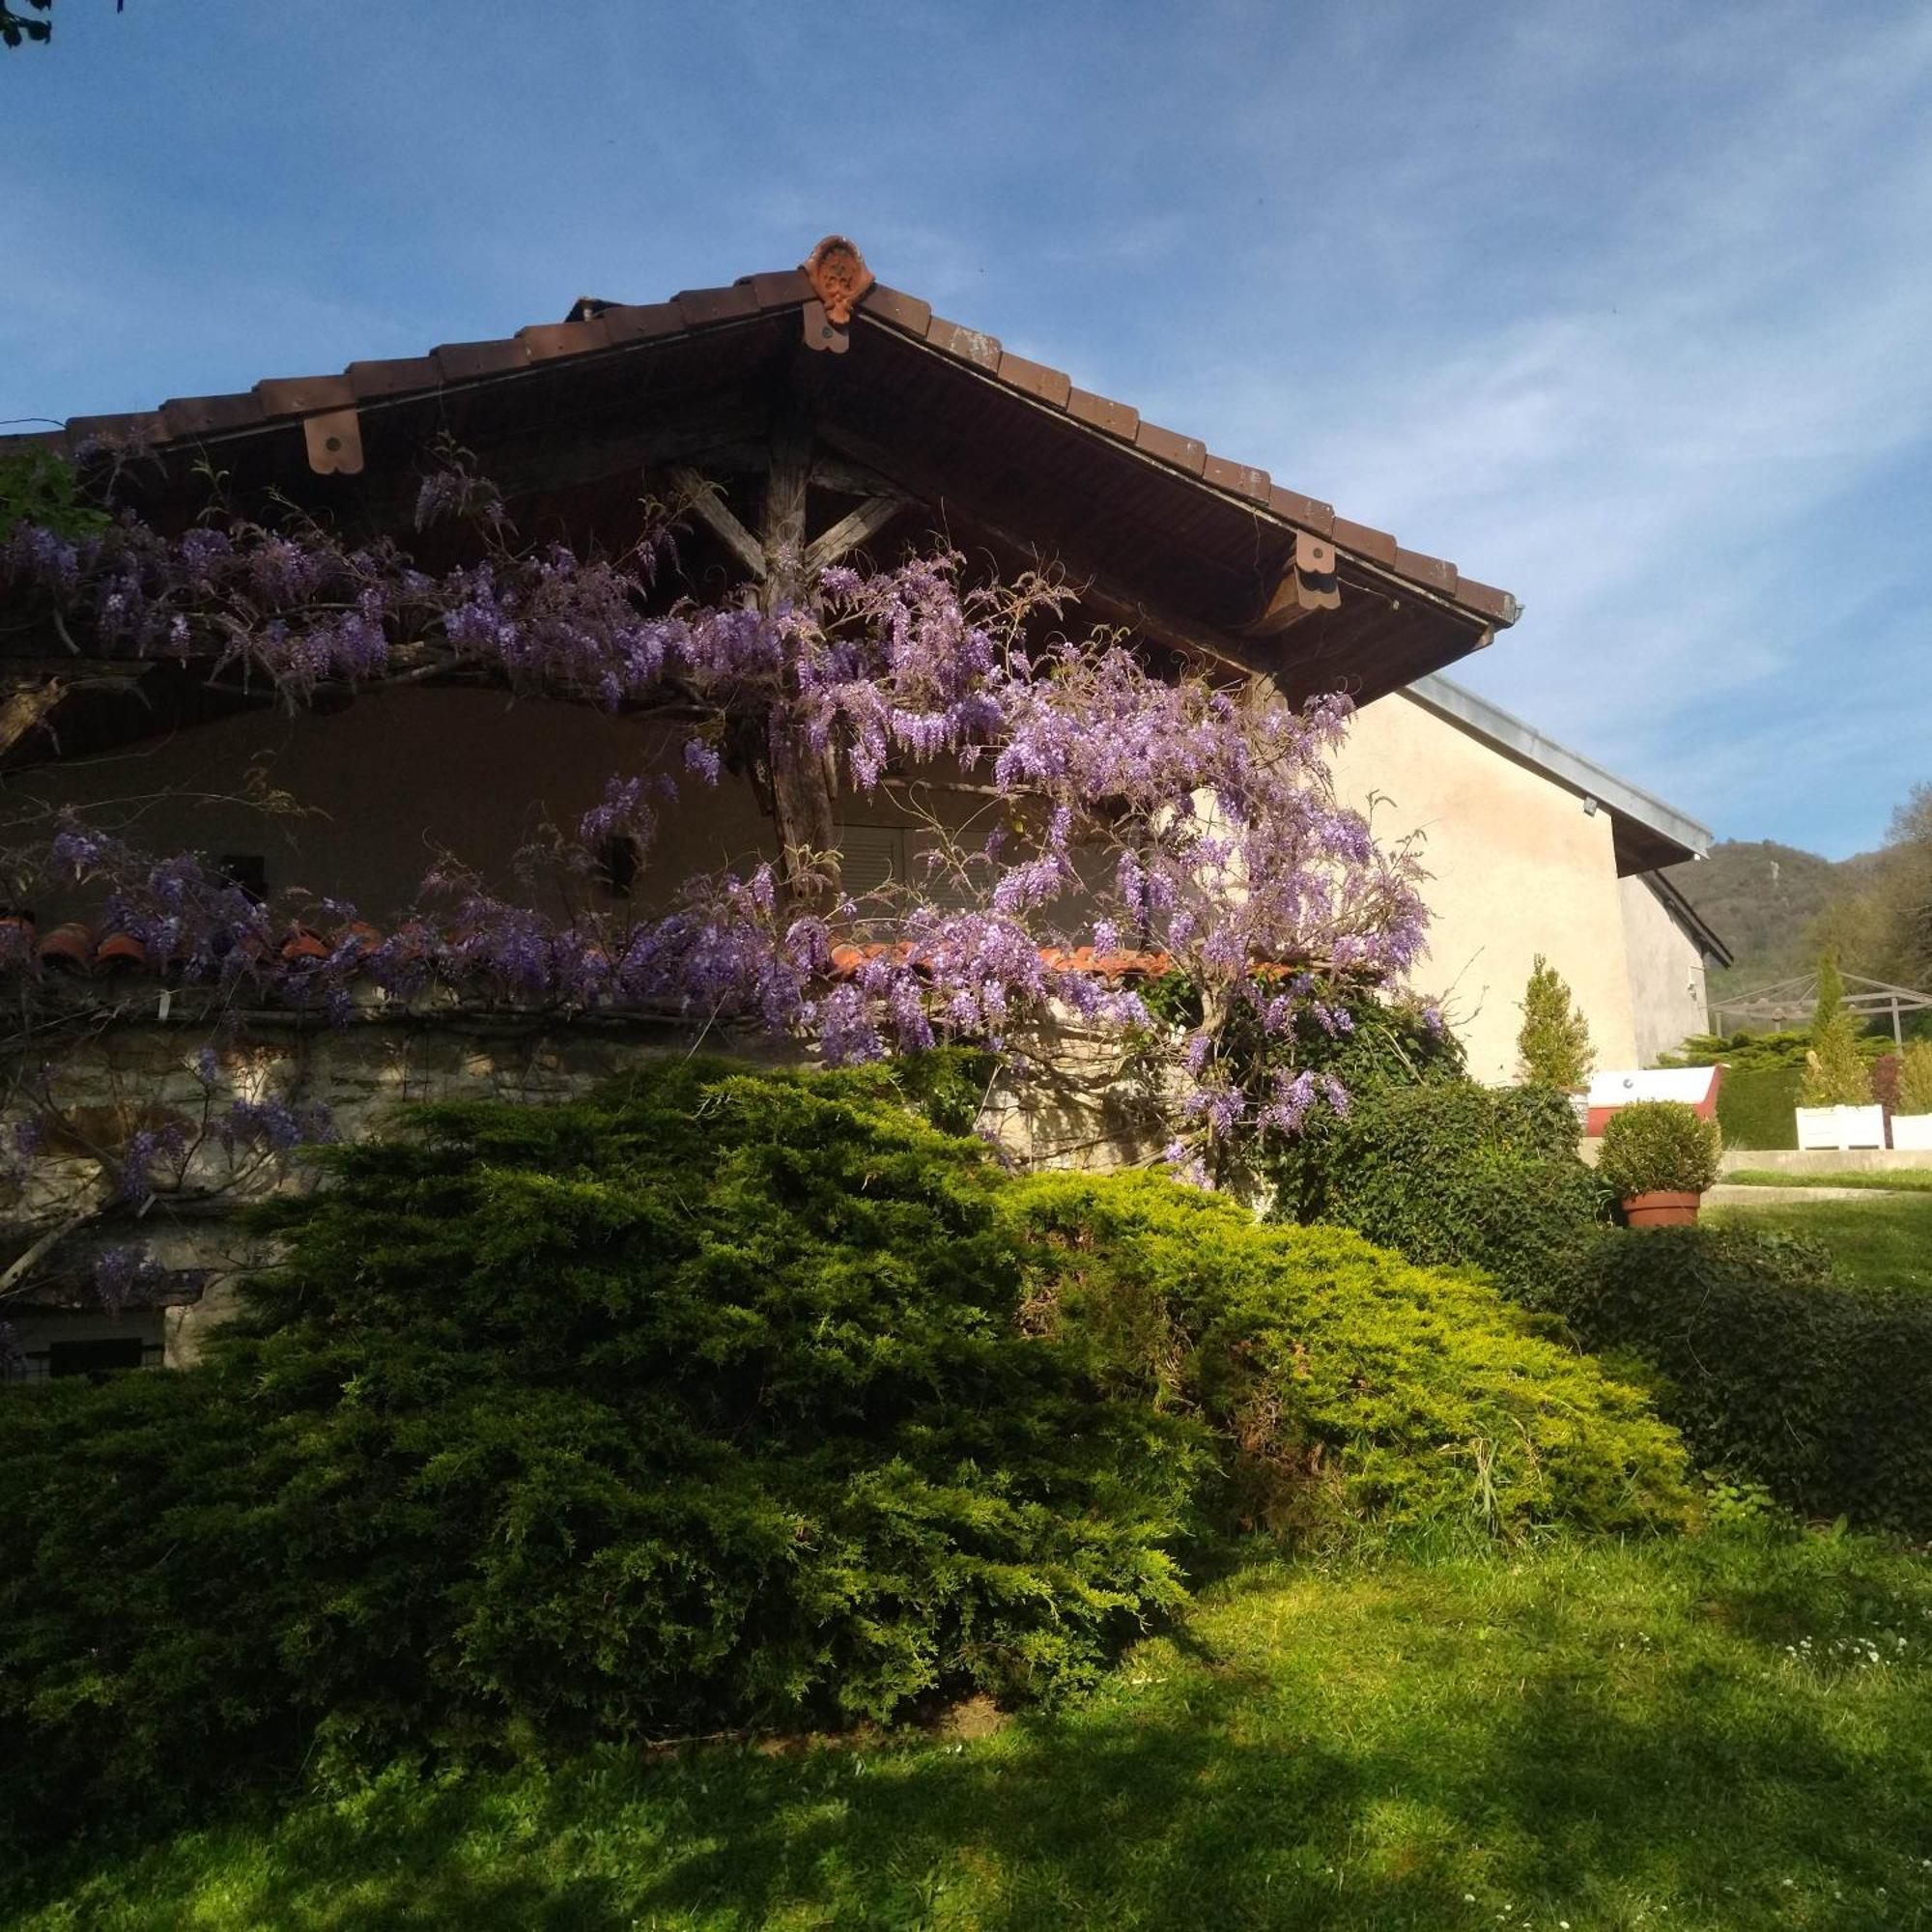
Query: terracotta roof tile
(954, 338)
(1310, 513)
(69, 946)
(393, 377)
(1102, 413)
(543, 340)
(597, 324)
(303, 944)
(74, 948)
(205, 415)
(465, 361)
(1050, 385)
(1239, 480)
(904, 311)
(641, 321)
(1487, 599)
(1366, 542)
(1184, 452)
(302, 395)
(1438, 572)
(699, 306)
(780, 290)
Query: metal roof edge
(1673, 900)
(1523, 740)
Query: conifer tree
(1554, 1044)
(1835, 1073)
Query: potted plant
(1912, 1110)
(1659, 1156)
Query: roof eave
(595, 332)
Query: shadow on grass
(1211, 1801)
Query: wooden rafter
(856, 527)
(1096, 589)
(26, 708)
(706, 502)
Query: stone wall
(1065, 1096)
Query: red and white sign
(1696, 1086)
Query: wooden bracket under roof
(335, 442)
(1308, 585)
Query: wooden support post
(801, 774)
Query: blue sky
(1625, 307)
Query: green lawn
(1883, 1242)
(1717, 1733)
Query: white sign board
(1840, 1127)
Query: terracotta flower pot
(1661, 1207)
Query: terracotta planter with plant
(1659, 1156)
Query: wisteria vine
(1127, 819)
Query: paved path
(1731, 1195)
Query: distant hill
(1760, 899)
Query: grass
(1726, 1732)
(1888, 1180)
(1875, 1243)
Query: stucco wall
(1667, 973)
(1516, 867)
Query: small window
(94, 1358)
(248, 869)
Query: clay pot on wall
(1661, 1207)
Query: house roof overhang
(1154, 531)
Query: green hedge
(1755, 1106)
(725, 1399)
(1453, 1174)
(1770, 1368)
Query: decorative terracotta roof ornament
(838, 276)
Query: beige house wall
(1516, 867)
(1668, 999)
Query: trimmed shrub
(703, 1404)
(1453, 1174)
(1755, 1106)
(1771, 1370)
(723, 1399)
(1343, 1384)
(1659, 1144)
